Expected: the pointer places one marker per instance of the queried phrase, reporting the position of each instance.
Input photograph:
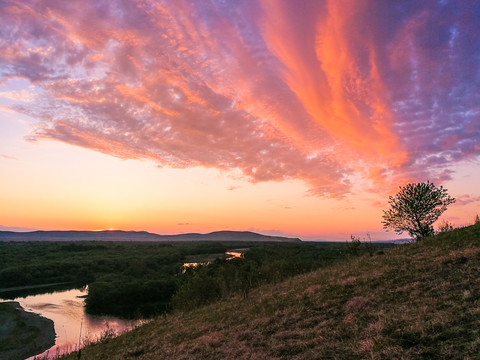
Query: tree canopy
(415, 208)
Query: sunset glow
(297, 118)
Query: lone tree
(415, 208)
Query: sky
(296, 118)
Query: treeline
(264, 263)
(143, 279)
(149, 287)
(79, 263)
(124, 279)
(25, 264)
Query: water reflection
(194, 264)
(67, 310)
(229, 255)
(234, 254)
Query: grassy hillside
(416, 301)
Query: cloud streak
(313, 90)
(8, 157)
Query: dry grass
(417, 301)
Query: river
(72, 324)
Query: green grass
(415, 301)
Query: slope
(415, 301)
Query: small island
(22, 333)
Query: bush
(353, 247)
(445, 226)
(201, 289)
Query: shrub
(445, 226)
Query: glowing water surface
(67, 310)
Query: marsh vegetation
(135, 280)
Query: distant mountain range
(120, 235)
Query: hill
(120, 235)
(415, 301)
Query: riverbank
(31, 287)
(22, 333)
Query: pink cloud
(315, 91)
(8, 157)
(466, 199)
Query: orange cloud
(322, 91)
(345, 100)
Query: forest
(137, 279)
